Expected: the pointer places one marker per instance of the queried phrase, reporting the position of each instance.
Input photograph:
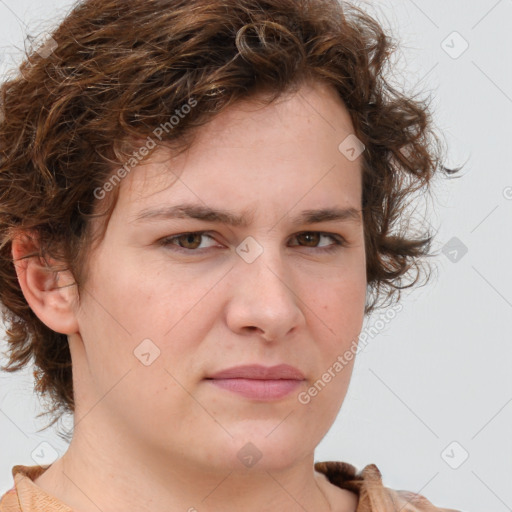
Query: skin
(160, 437)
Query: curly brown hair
(116, 69)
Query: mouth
(259, 382)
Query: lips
(255, 371)
(258, 382)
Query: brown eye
(313, 239)
(191, 240)
(188, 242)
(309, 239)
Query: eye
(312, 238)
(187, 241)
(192, 242)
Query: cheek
(336, 332)
(341, 304)
(324, 396)
(143, 299)
(336, 337)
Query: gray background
(429, 401)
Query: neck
(98, 473)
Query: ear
(52, 295)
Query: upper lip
(260, 372)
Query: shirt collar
(31, 497)
(366, 484)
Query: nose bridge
(263, 264)
(264, 295)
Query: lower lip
(259, 389)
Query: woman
(200, 206)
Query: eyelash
(339, 242)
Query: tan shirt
(26, 496)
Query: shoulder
(413, 502)
(373, 495)
(24, 494)
(9, 501)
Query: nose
(264, 298)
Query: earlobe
(50, 294)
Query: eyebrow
(207, 214)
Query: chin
(265, 448)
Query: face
(173, 299)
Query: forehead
(283, 153)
